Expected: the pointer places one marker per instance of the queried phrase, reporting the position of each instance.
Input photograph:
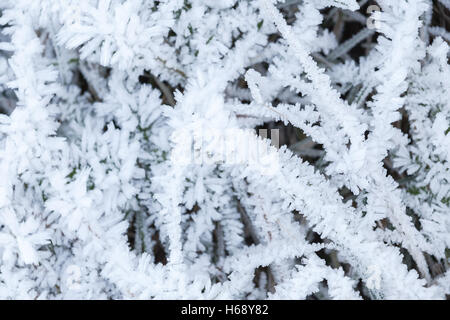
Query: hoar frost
(135, 161)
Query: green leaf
(260, 24)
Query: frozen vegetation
(130, 167)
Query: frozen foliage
(129, 169)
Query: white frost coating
(131, 168)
